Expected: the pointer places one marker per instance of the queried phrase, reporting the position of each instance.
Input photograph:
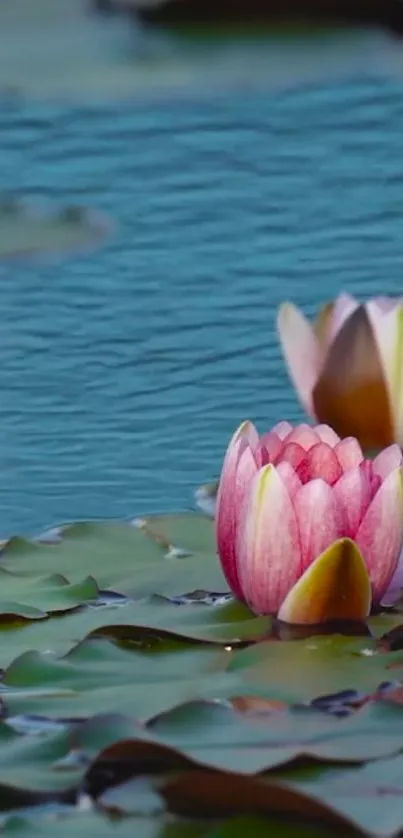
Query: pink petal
(319, 517)
(353, 491)
(282, 429)
(289, 478)
(388, 459)
(394, 591)
(248, 432)
(293, 454)
(380, 535)
(273, 445)
(373, 479)
(238, 469)
(268, 552)
(327, 434)
(386, 304)
(303, 435)
(301, 350)
(344, 306)
(349, 453)
(262, 456)
(320, 461)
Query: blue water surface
(124, 371)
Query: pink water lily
(306, 527)
(347, 366)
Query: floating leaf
(138, 796)
(229, 626)
(28, 231)
(304, 670)
(99, 676)
(192, 791)
(34, 597)
(63, 51)
(36, 769)
(371, 797)
(134, 561)
(87, 822)
(217, 736)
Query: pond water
(124, 371)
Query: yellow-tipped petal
(336, 586)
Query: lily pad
(219, 737)
(320, 665)
(46, 768)
(91, 824)
(60, 50)
(35, 597)
(134, 682)
(371, 796)
(196, 790)
(228, 626)
(29, 231)
(171, 556)
(98, 676)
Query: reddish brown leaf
(203, 793)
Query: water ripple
(123, 374)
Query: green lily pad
(306, 669)
(371, 796)
(28, 231)
(132, 560)
(219, 737)
(146, 687)
(228, 625)
(98, 676)
(192, 791)
(59, 50)
(35, 597)
(91, 824)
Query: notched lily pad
(34, 597)
(132, 678)
(197, 763)
(28, 231)
(165, 555)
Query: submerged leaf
(28, 232)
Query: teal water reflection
(123, 373)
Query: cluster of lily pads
(139, 695)
(136, 690)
